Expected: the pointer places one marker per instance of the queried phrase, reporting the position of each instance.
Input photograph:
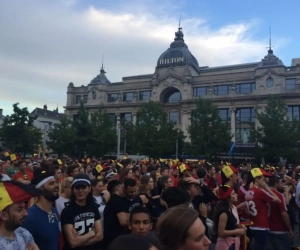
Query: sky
(45, 44)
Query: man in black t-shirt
(115, 218)
(130, 199)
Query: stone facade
(238, 90)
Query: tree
(62, 137)
(276, 136)
(154, 134)
(19, 133)
(82, 131)
(104, 137)
(209, 135)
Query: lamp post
(119, 136)
(45, 137)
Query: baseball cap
(228, 171)
(111, 175)
(257, 172)
(184, 167)
(81, 179)
(12, 192)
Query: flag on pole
(231, 148)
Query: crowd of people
(91, 204)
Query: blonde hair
(66, 183)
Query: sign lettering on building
(171, 60)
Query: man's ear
(129, 226)
(4, 215)
(151, 225)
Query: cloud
(47, 44)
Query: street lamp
(119, 136)
(45, 130)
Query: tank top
(100, 201)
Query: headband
(44, 181)
(84, 180)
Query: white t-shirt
(60, 204)
(101, 203)
(21, 240)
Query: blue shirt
(44, 227)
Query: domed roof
(270, 60)
(101, 78)
(178, 54)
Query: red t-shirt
(241, 198)
(219, 179)
(276, 221)
(175, 180)
(210, 182)
(22, 176)
(258, 207)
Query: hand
(74, 232)
(191, 180)
(240, 231)
(203, 210)
(291, 234)
(243, 226)
(32, 246)
(262, 183)
(286, 189)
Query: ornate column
(134, 118)
(233, 110)
(257, 111)
(118, 119)
(185, 123)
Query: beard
(11, 224)
(50, 196)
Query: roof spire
(102, 68)
(179, 27)
(270, 51)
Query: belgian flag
(12, 192)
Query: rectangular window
(145, 95)
(126, 117)
(221, 90)
(245, 88)
(174, 117)
(242, 135)
(112, 97)
(244, 122)
(128, 96)
(225, 115)
(85, 98)
(78, 98)
(200, 91)
(290, 84)
(293, 113)
(113, 119)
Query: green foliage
(209, 135)
(92, 135)
(62, 137)
(154, 134)
(103, 137)
(18, 132)
(276, 136)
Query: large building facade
(239, 91)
